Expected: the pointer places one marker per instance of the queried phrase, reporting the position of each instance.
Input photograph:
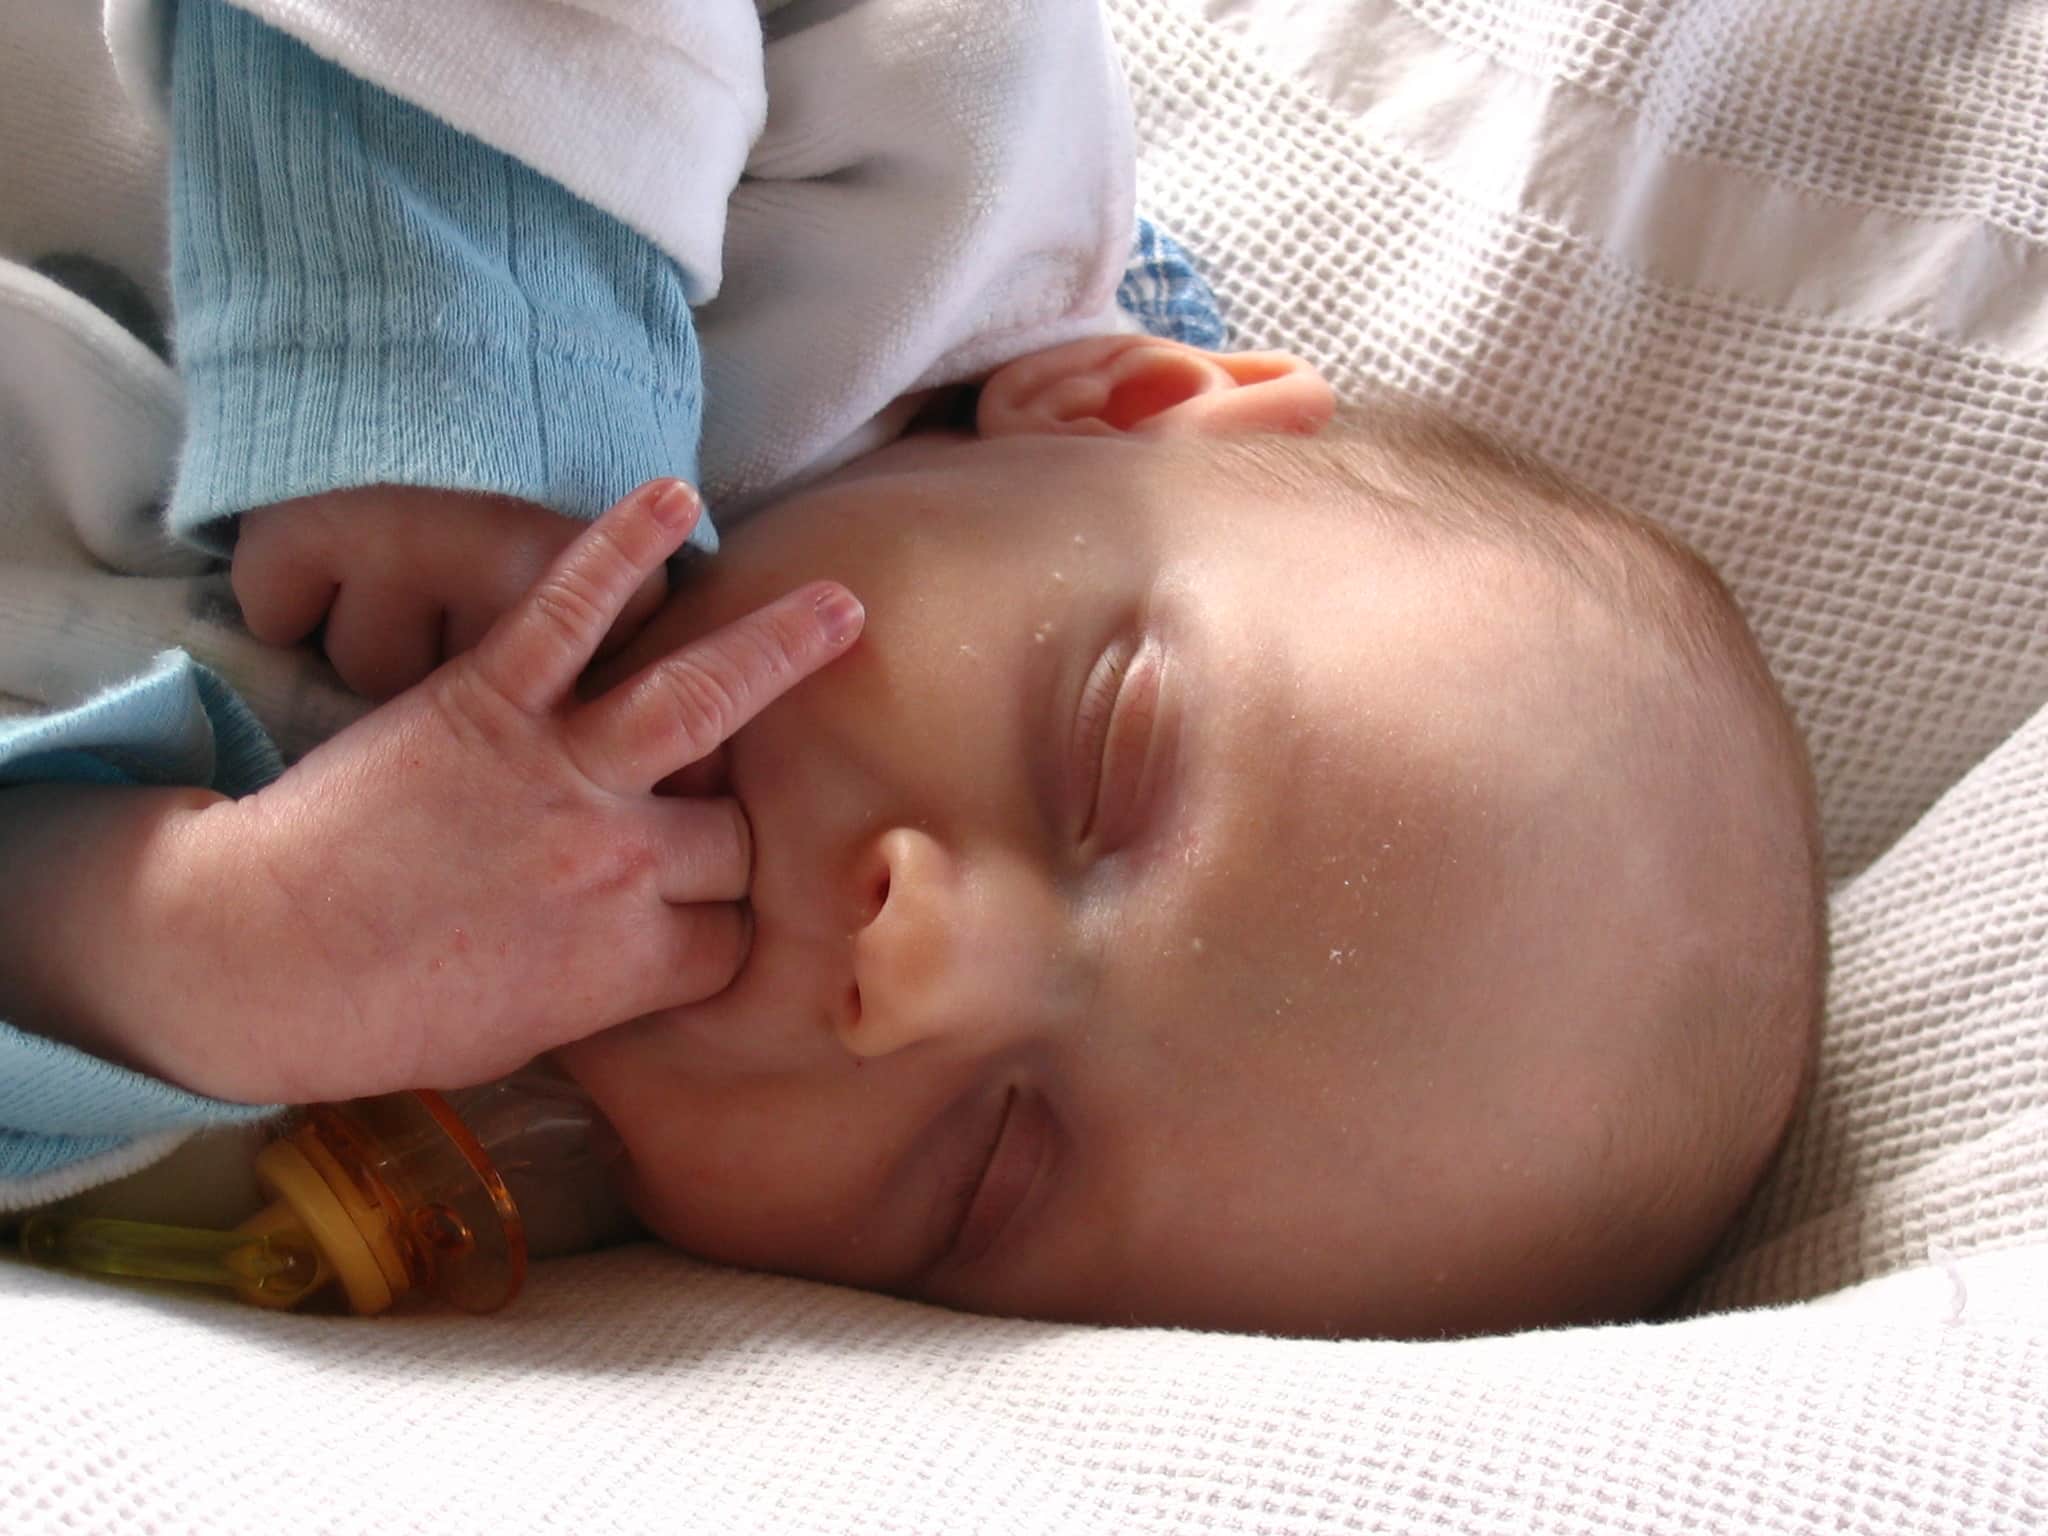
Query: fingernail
(675, 504)
(840, 614)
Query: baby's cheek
(687, 1171)
(618, 1069)
(681, 1188)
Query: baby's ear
(1109, 385)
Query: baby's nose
(954, 950)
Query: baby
(1250, 872)
(1349, 883)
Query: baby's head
(1342, 881)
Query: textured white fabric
(1497, 202)
(1840, 399)
(637, 1392)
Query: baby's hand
(402, 577)
(479, 870)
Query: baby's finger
(685, 706)
(283, 596)
(381, 644)
(532, 655)
(706, 849)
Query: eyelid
(1093, 716)
(1130, 747)
(964, 1193)
(1009, 1173)
(952, 1158)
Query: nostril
(877, 896)
(853, 1006)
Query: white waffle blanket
(1773, 270)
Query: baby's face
(1139, 931)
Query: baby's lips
(706, 776)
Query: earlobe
(1107, 386)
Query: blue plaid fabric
(1163, 292)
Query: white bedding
(1771, 271)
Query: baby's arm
(470, 875)
(427, 361)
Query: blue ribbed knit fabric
(365, 296)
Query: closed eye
(1129, 684)
(961, 1188)
(964, 1193)
(1009, 1172)
(1092, 720)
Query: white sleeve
(942, 186)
